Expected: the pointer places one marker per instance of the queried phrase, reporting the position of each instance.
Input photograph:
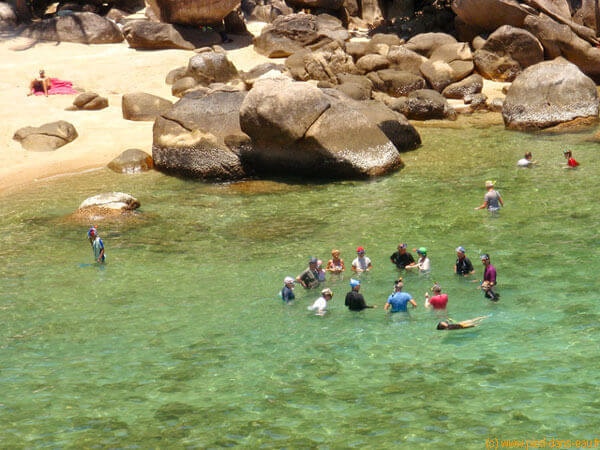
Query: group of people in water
(398, 301)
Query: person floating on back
(402, 258)
(97, 245)
(526, 161)
(463, 266)
(361, 263)
(571, 163)
(492, 199)
(398, 301)
(287, 292)
(354, 300)
(448, 325)
(438, 301)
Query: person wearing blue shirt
(97, 245)
(287, 293)
(399, 300)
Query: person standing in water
(355, 300)
(310, 277)
(398, 301)
(492, 199)
(361, 263)
(463, 266)
(438, 301)
(97, 245)
(489, 279)
(287, 292)
(335, 265)
(571, 163)
(526, 161)
(402, 258)
(320, 304)
(423, 264)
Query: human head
(289, 281)
(335, 253)
(567, 153)
(354, 284)
(460, 252)
(485, 259)
(42, 73)
(421, 251)
(528, 155)
(360, 251)
(398, 286)
(327, 293)
(319, 263)
(92, 233)
(312, 263)
(442, 325)
(402, 248)
(489, 184)
(436, 288)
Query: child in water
(571, 163)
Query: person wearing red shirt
(438, 301)
(571, 163)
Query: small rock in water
(107, 205)
(132, 161)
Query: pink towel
(59, 87)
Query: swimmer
(447, 325)
(402, 258)
(399, 300)
(463, 265)
(354, 300)
(361, 263)
(526, 160)
(97, 245)
(438, 301)
(492, 199)
(335, 265)
(571, 163)
(41, 84)
(423, 264)
(320, 304)
(287, 292)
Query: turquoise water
(180, 339)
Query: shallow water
(180, 339)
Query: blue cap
(313, 261)
(354, 282)
(461, 249)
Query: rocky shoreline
(335, 102)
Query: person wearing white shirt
(320, 304)
(526, 161)
(361, 263)
(423, 264)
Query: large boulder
(560, 40)
(547, 94)
(297, 129)
(131, 161)
(144, 34)
(89, 101)
(106, 206)
(372, 63)
(396, 82)
(448, 63)
(401, 58)
(265, 10)
(84, 28)
(289, 34)
(507, 52)
(355, 86)
(211, 67)
(468, 86)
(193, 12)
(424, 104)
(426, 43)
(488, 15)
(321, 4)
(8, 16)
(47, 137)
(323, 65)
(256, 72)
(588, 15)
(200, 137)
(140, 106)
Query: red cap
(360, 249)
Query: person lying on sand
(40, 84)
(447, 325)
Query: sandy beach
(110, 70)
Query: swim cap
(461, 249)
(92, 230)
(354, 282)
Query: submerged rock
(105, 206)
(132, 160)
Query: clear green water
(181, 341)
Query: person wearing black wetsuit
(402, 258)
(354, 300)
